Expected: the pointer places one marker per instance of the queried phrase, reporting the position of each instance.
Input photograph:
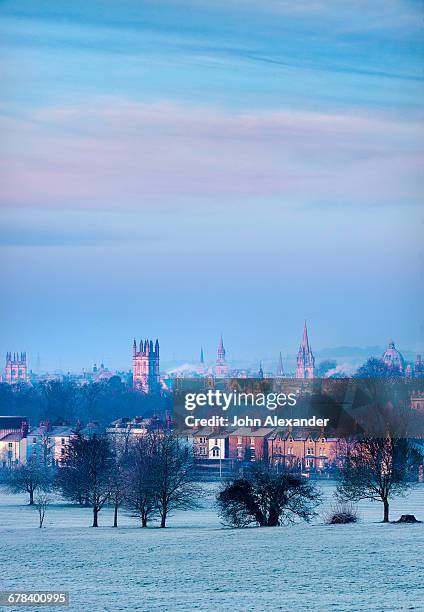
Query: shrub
(267, 497)
(341, 514)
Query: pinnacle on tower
(202, 358)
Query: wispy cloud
(114, 153)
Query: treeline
(150, 476)
(64, 402)
(154, 475)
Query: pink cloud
(115, 153)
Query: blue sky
(182, 168)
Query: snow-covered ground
(195, 564)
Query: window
(215, 452)
(309, 451)
(62, 451)
(10, 444)
(252, 441)
(239, 440)
(321, 452)
(62, 441)
(34, 440)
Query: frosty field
(195, 564)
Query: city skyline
(346, 359)
(174, 167)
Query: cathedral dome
(393, 358)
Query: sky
(185, 168)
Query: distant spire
(280, 369)
(305, 358)
(221, 349)
(305, 340)
(261, 372)
(202, 358)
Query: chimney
(24, 429)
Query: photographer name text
(246, 421)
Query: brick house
(249, 443)
(303, 449)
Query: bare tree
(121, 469)
(28, 478)
(174, 477)
(42, 500)
(71, 477)
(87, 471)
(377, 468)
(268, 497)
(141, 479)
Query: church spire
(305, 358)
(305, 339)
(221, 349)
(202, 358)
(280, 369)
(221, 368)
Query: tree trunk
(273, 520)
(386, 511)
(115, 515)
(31, 497)
(143, 519)
(163, 521)
(95, 513)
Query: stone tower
(305, 359)
(16, 368)
(146, 366)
